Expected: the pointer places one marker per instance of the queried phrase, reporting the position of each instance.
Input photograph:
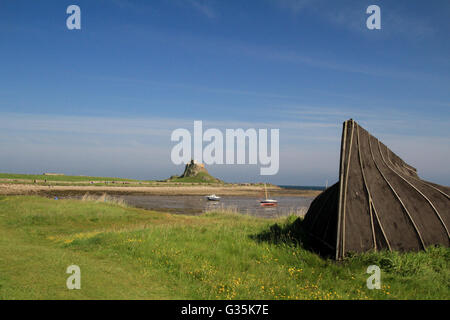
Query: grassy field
(201, 177)
(129, 253)
(19, 178)
(41, 177)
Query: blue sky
(103, 100)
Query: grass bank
(59, 178)
(129, 253)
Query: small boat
(213, 197)
(268, 202)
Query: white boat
(213, 197)
(268, 202)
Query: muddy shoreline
(232, 190)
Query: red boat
(268, 202)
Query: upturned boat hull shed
(379, 203)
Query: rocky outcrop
(193, 168)
(195, 172)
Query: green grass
(201, 177)
(42, 177)
(63, 180)
(129, 253)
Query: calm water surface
(198, 204)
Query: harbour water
(287, 205)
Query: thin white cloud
(140, 147)
(294, 6)
(350, 14)
(300, 59)
(204, 7)
(213, 45)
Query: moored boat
(213, 197)
(268, 202)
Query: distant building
(52, 174)
(197, 163)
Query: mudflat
(182, 189)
